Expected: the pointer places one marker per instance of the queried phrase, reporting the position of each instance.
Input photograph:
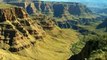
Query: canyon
(44, 30)
(25, 37)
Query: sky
(89, 3)
(94, 1)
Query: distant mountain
(92, 2)
(103, 11)
(67, 10)
(93, 5)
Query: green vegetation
(92, 47)
(56, 46)
(60, 44)
(2, 5)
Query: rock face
(6, 14)
(44, 21)
(26, 5)
(31, 8)
(17, 30)
(78, 9)
(64, 11)
(12, 14)
(57, 9)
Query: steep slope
(4, 55)
(64, 9)
(52, 48)
(29, 39)
(91, 47)
(16, 27)
(103, 25)
(58, 9)
(31, 9)
(65, 14)
(44, 21)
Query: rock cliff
(34, 37)
(66, 14)
(58, 9)
(17, 30)
(44, 21)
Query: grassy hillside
(55, 46)
(2, 5)
(91, 47)
(4, 55)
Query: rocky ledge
(17, 30)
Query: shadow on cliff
(103, 25)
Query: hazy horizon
(91, 1)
